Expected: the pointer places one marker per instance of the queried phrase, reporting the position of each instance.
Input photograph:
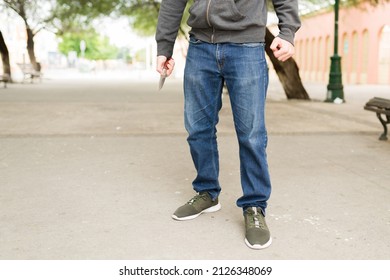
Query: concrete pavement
(93, 169)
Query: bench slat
(379, 102)
(377, 110)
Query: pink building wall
(364, 44)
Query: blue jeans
(244, 70)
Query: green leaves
(97, 47)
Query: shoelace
(196, 198)
(255, 219)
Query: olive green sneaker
(201, 203)
(257, 235)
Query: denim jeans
(244, 70)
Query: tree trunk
(5, 57)
(30, 49)
(288, 73)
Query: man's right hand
(162, 63)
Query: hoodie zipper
(208, 20)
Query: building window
(345, 49)
(314, 53)
(307, 57)
(354, 57)
(364, 57)
(384, 56)
(328, 53)
(345, 56)
(321, 55)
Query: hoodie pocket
(198, 14)
(221, 14)
(224, 14)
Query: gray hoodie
(221, 21)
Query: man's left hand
(282, 49)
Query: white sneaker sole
(258, 246)
(212, 209)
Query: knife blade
(162, 78)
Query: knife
(162, 78)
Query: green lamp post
(335, 87)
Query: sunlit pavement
(92, 165)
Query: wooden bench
(380, 106)
(4, 79)
(29, 73)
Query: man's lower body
(244, 70)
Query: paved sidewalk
(93, 169)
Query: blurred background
(82, 38)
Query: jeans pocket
(195, 41)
